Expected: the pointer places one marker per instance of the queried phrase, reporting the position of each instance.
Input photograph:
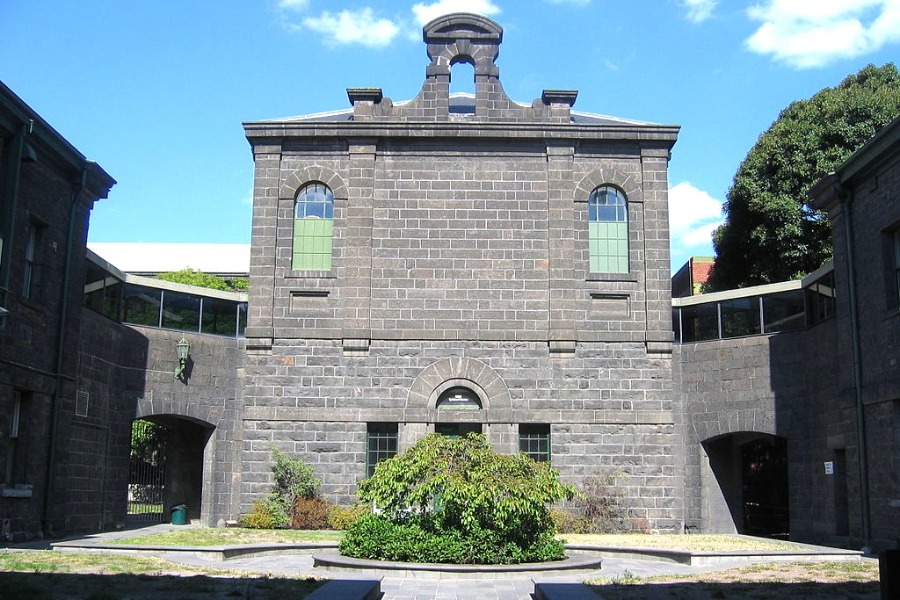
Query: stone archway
(487, 411)
(181, 465)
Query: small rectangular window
(381, 443)
(33, 233)
(181, 311)
(141, 305)
(784, 311)
(16, 450)
(534, 440)
(740, 316)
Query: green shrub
(602, 504)
(456, 500)
(309, 513)
(294, 479)
(266, 514)
(567, 521)
(342, 517)
(420, 538)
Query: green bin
(179, 514)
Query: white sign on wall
(829, 468)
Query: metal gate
(147, 472)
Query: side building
(791, 391)
(49, 453)
(862, 427)
(462, 263)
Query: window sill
(626, 277)
(16, 491)
(312, 274)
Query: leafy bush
(309, 513)
(421, 538)
(458, 501)
(567, 521)
(294, 480)
(602, 506)
(266, 514)
(293, 477)
(342, 517)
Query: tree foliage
(205, 280)
(456, 500)
(147, 440)
(772, 232)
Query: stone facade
(460, 260)
(47, 189)
(861, 198)
(830, 391)
(459, 298)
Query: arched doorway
(166, 467)
(745, 485)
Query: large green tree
(771, 231)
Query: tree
(456, 500)
(205, 280)
(771, 231)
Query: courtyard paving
(408, 585)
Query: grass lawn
(208, 536)
(204, 536)
(47, 574)
(793, 580)
(696, 543)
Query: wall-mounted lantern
(183, 350)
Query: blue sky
(156, 91)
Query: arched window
(313, 224)
(458, 398)
(608, 230)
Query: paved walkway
(416, 585)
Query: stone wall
(733, 386)
(206, 408)
(608, 407)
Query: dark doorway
(765, 479)
(147, 471)
(748, 492)
(166, 467)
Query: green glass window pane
(313, 226)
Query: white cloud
(427, 12)
(354, 27)
(699, 10)
(814, 34)
(297, 5)
(693, 215)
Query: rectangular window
(784, 311)
(141, 305)
(181, 311)
(534, 440)
(219, 317)
(819, 298)
(16, 450)
(699, 322)
(29, 272)
(740, 316)
(312, 244)
(608, 247)
(381, 443)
